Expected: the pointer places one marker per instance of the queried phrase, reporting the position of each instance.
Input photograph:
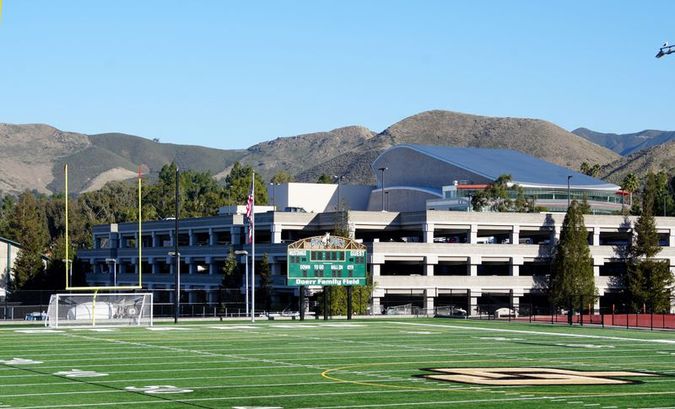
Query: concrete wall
(318, 197)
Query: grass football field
(337, 364)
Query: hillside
(655, 159)
(29, 152)
(297, 153)
(627, 144)
(348, 151)
(32, 157)
(535, 137)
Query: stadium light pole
(382, 170)
(176, 254)
(568, 190)
(245, 254)
(338, 179)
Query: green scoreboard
(326, 261)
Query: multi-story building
(429, 258)
(422, 177)
(415, 254)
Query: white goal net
(92, 309)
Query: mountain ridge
(347, 151)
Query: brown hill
(32, 156)
(295, 154)
(655, 159)
(532, 136)
(28, 154)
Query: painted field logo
(530, 376)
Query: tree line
(37, 221)
(647, 281)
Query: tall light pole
(245, 254)
(176, 302)
(568, 190)
(338, 179)
(382, 170)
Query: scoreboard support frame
(326, 261)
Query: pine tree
(647, 281)
(571, 283)
(28, 227)
(238, 185)
(265, 273)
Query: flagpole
(252, 227)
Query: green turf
(329, 364)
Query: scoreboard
(326, 261)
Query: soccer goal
(93, 309)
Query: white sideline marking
(38, 331)
(369, 392)
(518, 331)
(233, 327)
(293, 326)
(167, 329)
(257, 407)
(158, 389)
(342, 325)
(96, 329)
(20, 361)
(419, 332)
(591, 346)
(500, 339)
(78, 373)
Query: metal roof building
(416, 177)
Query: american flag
(249, 216)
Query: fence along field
(392, 363)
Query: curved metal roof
(525, 170)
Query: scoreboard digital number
(326, 266)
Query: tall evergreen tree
(647, 281)
(571, 283)
(265, 273)
(238, 185)
(630, 184)
(28, 227)
(281, 177)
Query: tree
(647, 281)
(229, 270)
(496, 196)
(265, 282)
(6, 210)
(230, 279)
(281, 177)
(325, 179)
(27, 226)
(630, 184)
(590, 170)
(571, 282)
(238, 185)
(584, 206)
(664, 203)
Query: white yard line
(518, 331)
(494, 402)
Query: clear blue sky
(229, 74)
